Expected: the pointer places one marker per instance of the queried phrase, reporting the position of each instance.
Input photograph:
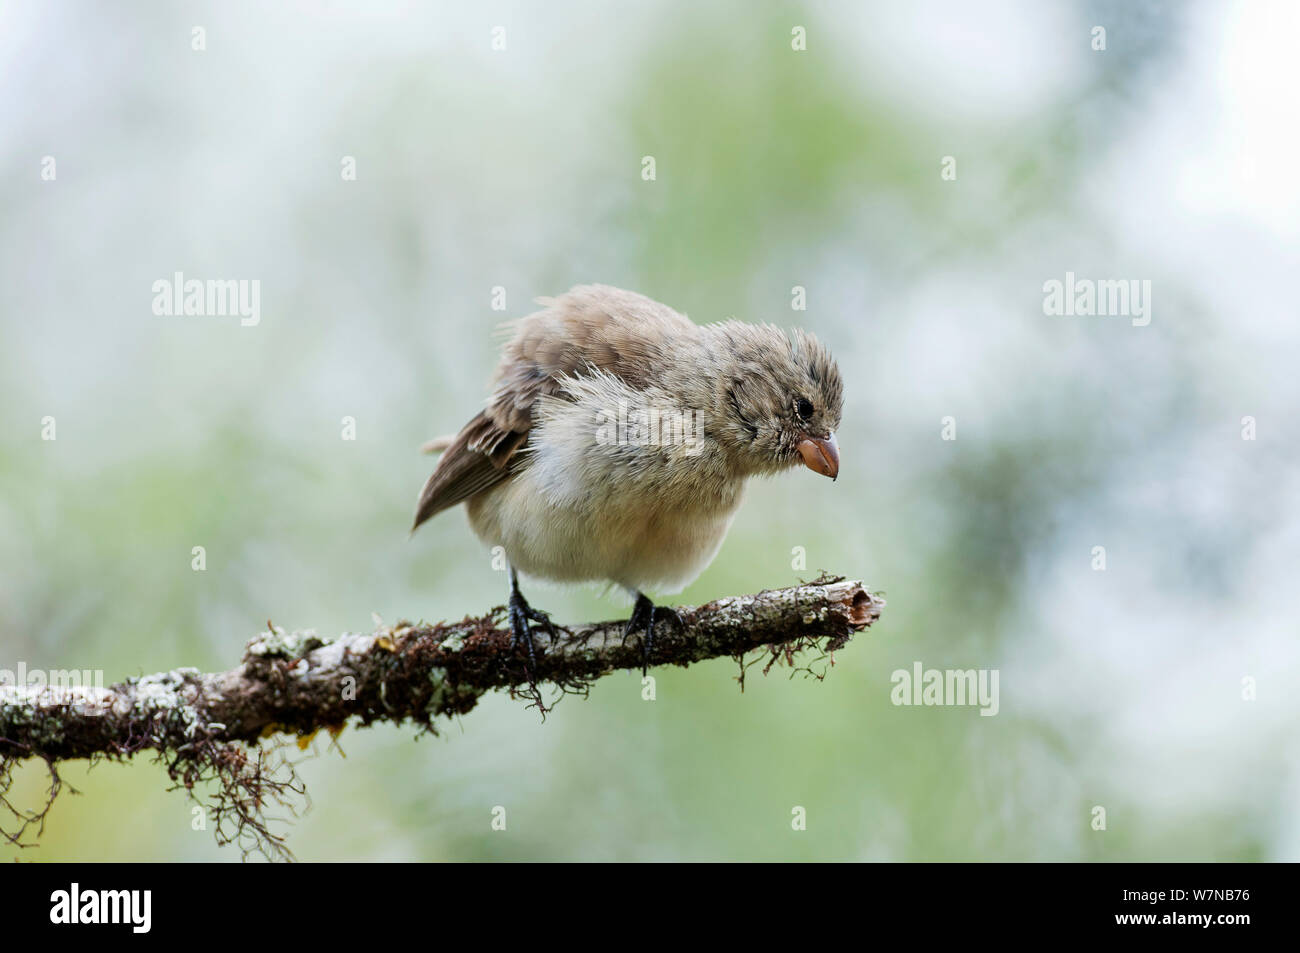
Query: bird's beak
(820, 455)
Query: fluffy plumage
(548, 472)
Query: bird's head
(777, 399)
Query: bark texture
(298, 683)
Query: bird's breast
(643, 523)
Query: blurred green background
(1169, 156)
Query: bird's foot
(521, 631)
(645, 614)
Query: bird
(617, 441)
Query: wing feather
(590, 328)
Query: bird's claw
(521, 614)
(644, 615)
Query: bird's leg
(642, 616)
(521, 613)
(644, 613)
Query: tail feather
(437, 444)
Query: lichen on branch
(211, 726)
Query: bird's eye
(805, 408)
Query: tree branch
(299, 683)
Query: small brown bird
(618, 438)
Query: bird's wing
(591, 327)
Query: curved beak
(820, 455)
